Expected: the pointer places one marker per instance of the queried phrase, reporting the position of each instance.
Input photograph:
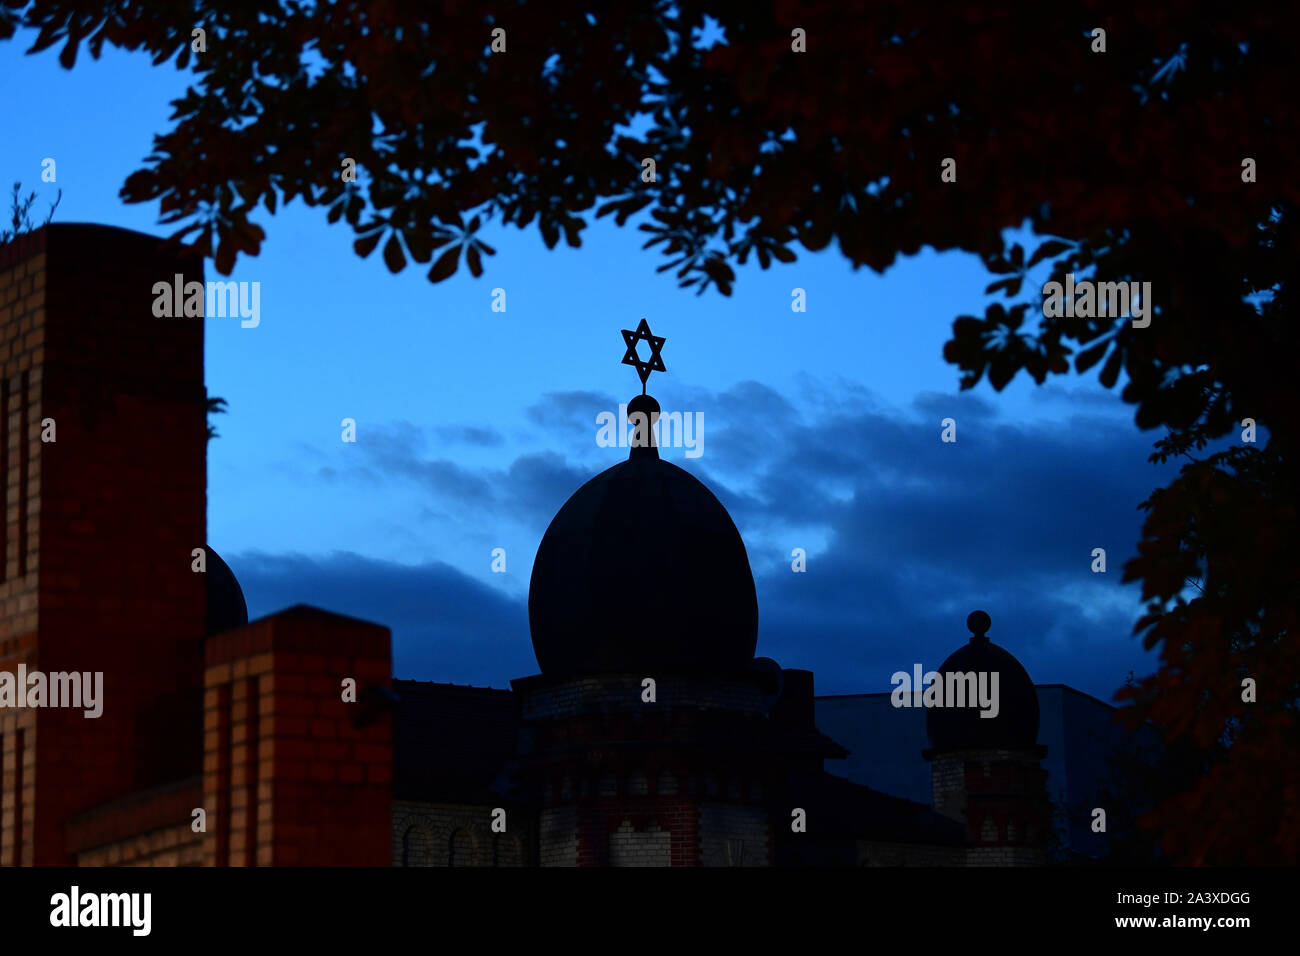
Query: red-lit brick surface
(98, 525)
(143, 828)
(288, 778)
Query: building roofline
(400, 682)
(1054, 686)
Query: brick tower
(293, 775)
(698, 777)
(986, 773)
(97, 524)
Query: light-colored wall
(648, 847)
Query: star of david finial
(656, 363)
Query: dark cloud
(571, 413)
(961, 406)
(470, 435)
(537, 486)
(905, 534)
(916, 533)
(446, 625)
(1085, 395)
(395, 450)
(528, 492)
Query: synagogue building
(650, 735)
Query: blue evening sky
(821, 430)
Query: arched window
(417, 847)
(460, 849)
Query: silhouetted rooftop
(963, 728)
(450, 741)
(841, 807)
(643, 569)
(226, 606)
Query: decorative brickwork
(650, 846)
(663, 830)
(1001, 798)
(681, 781)
(447, 834)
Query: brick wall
(17, 786)
(631, 777)
(22, 318)
(557, 836)
(948, 785)
(650, 846)
(1000, 796)
(1004, 856)
(734, 835)
(149, 828)
(288, 778)
(674, 823)
(171, 846)
(81, 588)
(956, 774)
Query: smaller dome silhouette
(962, 728)
(226, 606)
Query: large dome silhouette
(642, 569)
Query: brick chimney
(294, 775)
(97, 523)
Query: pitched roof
(847, 808)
